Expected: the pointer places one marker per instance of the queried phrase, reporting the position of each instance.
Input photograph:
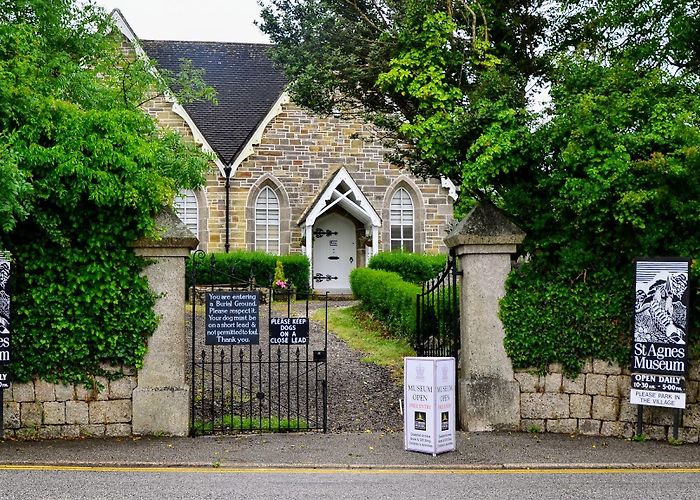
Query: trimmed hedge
(412, 267)
(553, 318)
(246, 264)
(388, 298)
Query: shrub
(551, 318)
(238, 267)
(412, 267)
(388, 298)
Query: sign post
(429, 405)
(232, 318)
(659, 349)
(5, 353)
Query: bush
(245, 265)
(388, 298)
(412, 267)
(551, 318)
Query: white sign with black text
(429, 405)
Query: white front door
(334, 252)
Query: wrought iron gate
(437, 314)
(272, 378)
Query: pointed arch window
(187, 210)
(267, 221)
(401, 217)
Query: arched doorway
(334, 252)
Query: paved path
(363, 450)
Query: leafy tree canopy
(84, 171)
(605, 171)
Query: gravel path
(361, 396)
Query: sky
(202, 20)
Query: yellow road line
(358, 471)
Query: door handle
(352, 260)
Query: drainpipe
(227, 173)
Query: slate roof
(246, 82)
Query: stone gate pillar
(161, 401)
(489, 395)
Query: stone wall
(39, 410)
(597, 403)
(298, 153)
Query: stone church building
(285, 180)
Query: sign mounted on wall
(659, 349)
(5, 353)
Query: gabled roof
(340, 190)
(246, 82)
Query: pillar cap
(485, 225)
(170, 233)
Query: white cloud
(204, 20)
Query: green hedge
(246, 264)
(388, 298)
(551, 318)
(412, 267)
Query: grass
(236, 423)
(363, 333)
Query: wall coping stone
(485, 224)
(171, 233)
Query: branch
(361, 13)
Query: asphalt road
(188, 483)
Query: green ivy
(553, 318)
(87, 171)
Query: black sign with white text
(660, 350)
(232, 318)
(5, 353)
(289, 331)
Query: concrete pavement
(356, 450)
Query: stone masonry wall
(597, 403)
(301, 151)
(40, 410)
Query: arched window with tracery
(401, 217)
(267, 221)
(187, 210)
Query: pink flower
(281, 284)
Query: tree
(88, 172)
(433, 75)
(606, 172)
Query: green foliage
(553, 318)
(622, 181)
(412, 267)
(246, 424)
(388, 298)
(606, 172)
(238, 268)
(278, 280)
(422, 70)
(87, 171)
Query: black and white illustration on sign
(5, 356)
(420, 421)
(661, 302)
(659, 350)
(232, 318)
(4, 296)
